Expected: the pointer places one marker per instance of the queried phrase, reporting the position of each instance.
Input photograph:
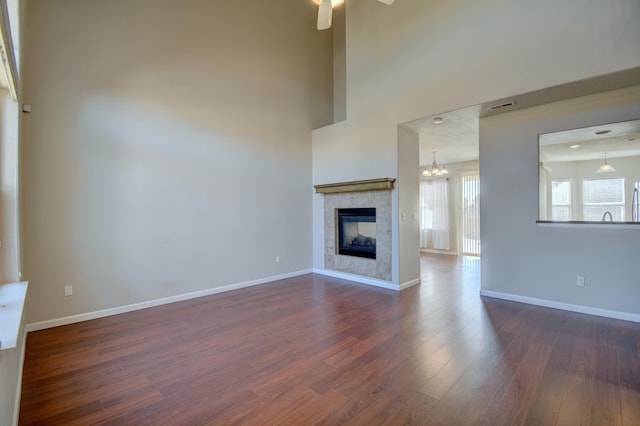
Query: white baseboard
(157, 302)
(362, 280)
(448, 252)
(563, 306)
(410, 283)
(357, 278)
(16, 406)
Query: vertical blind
(470, 213)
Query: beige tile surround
(379, 268)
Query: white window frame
(568, 204)
(610, 204)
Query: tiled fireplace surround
(380, 199)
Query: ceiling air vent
(508, 104)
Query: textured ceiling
(456, 139)
(623, 140)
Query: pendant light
(435, 170)
(605, 167)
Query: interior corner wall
(339, 65)
(169, 147)
(409, 205)
(418, 58)
(525, 259)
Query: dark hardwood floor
(317, 350)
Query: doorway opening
(449, 198)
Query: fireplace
(356, 232)
(368, 203)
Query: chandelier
(435, 170)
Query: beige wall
(408, 228)
(523, 259)
(169, 147)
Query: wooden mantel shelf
(383, 184)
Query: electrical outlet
(277, 259)
(68, 290)
(580, 281)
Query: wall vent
(502, 105)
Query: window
(603, 196)
(434, 220)
(426, 205)
(471, 213)
(635, 203)
(561, 200)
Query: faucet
(604, 216)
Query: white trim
(589, 225)
(410, 283)
(357, 278)
(366, 280)
(11, 67)
(434, 251)
(157, 302)
(12, 298)
(626, 316)
(16, 404)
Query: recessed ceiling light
(576, 146)
(438, 120)
(603, 132)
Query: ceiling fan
(325, 10)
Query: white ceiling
(455, 140)
(623, 140)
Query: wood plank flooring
(318, 350)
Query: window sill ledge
(592, 225)
(12, 298)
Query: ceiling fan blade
(324, 14)
(389, 2)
